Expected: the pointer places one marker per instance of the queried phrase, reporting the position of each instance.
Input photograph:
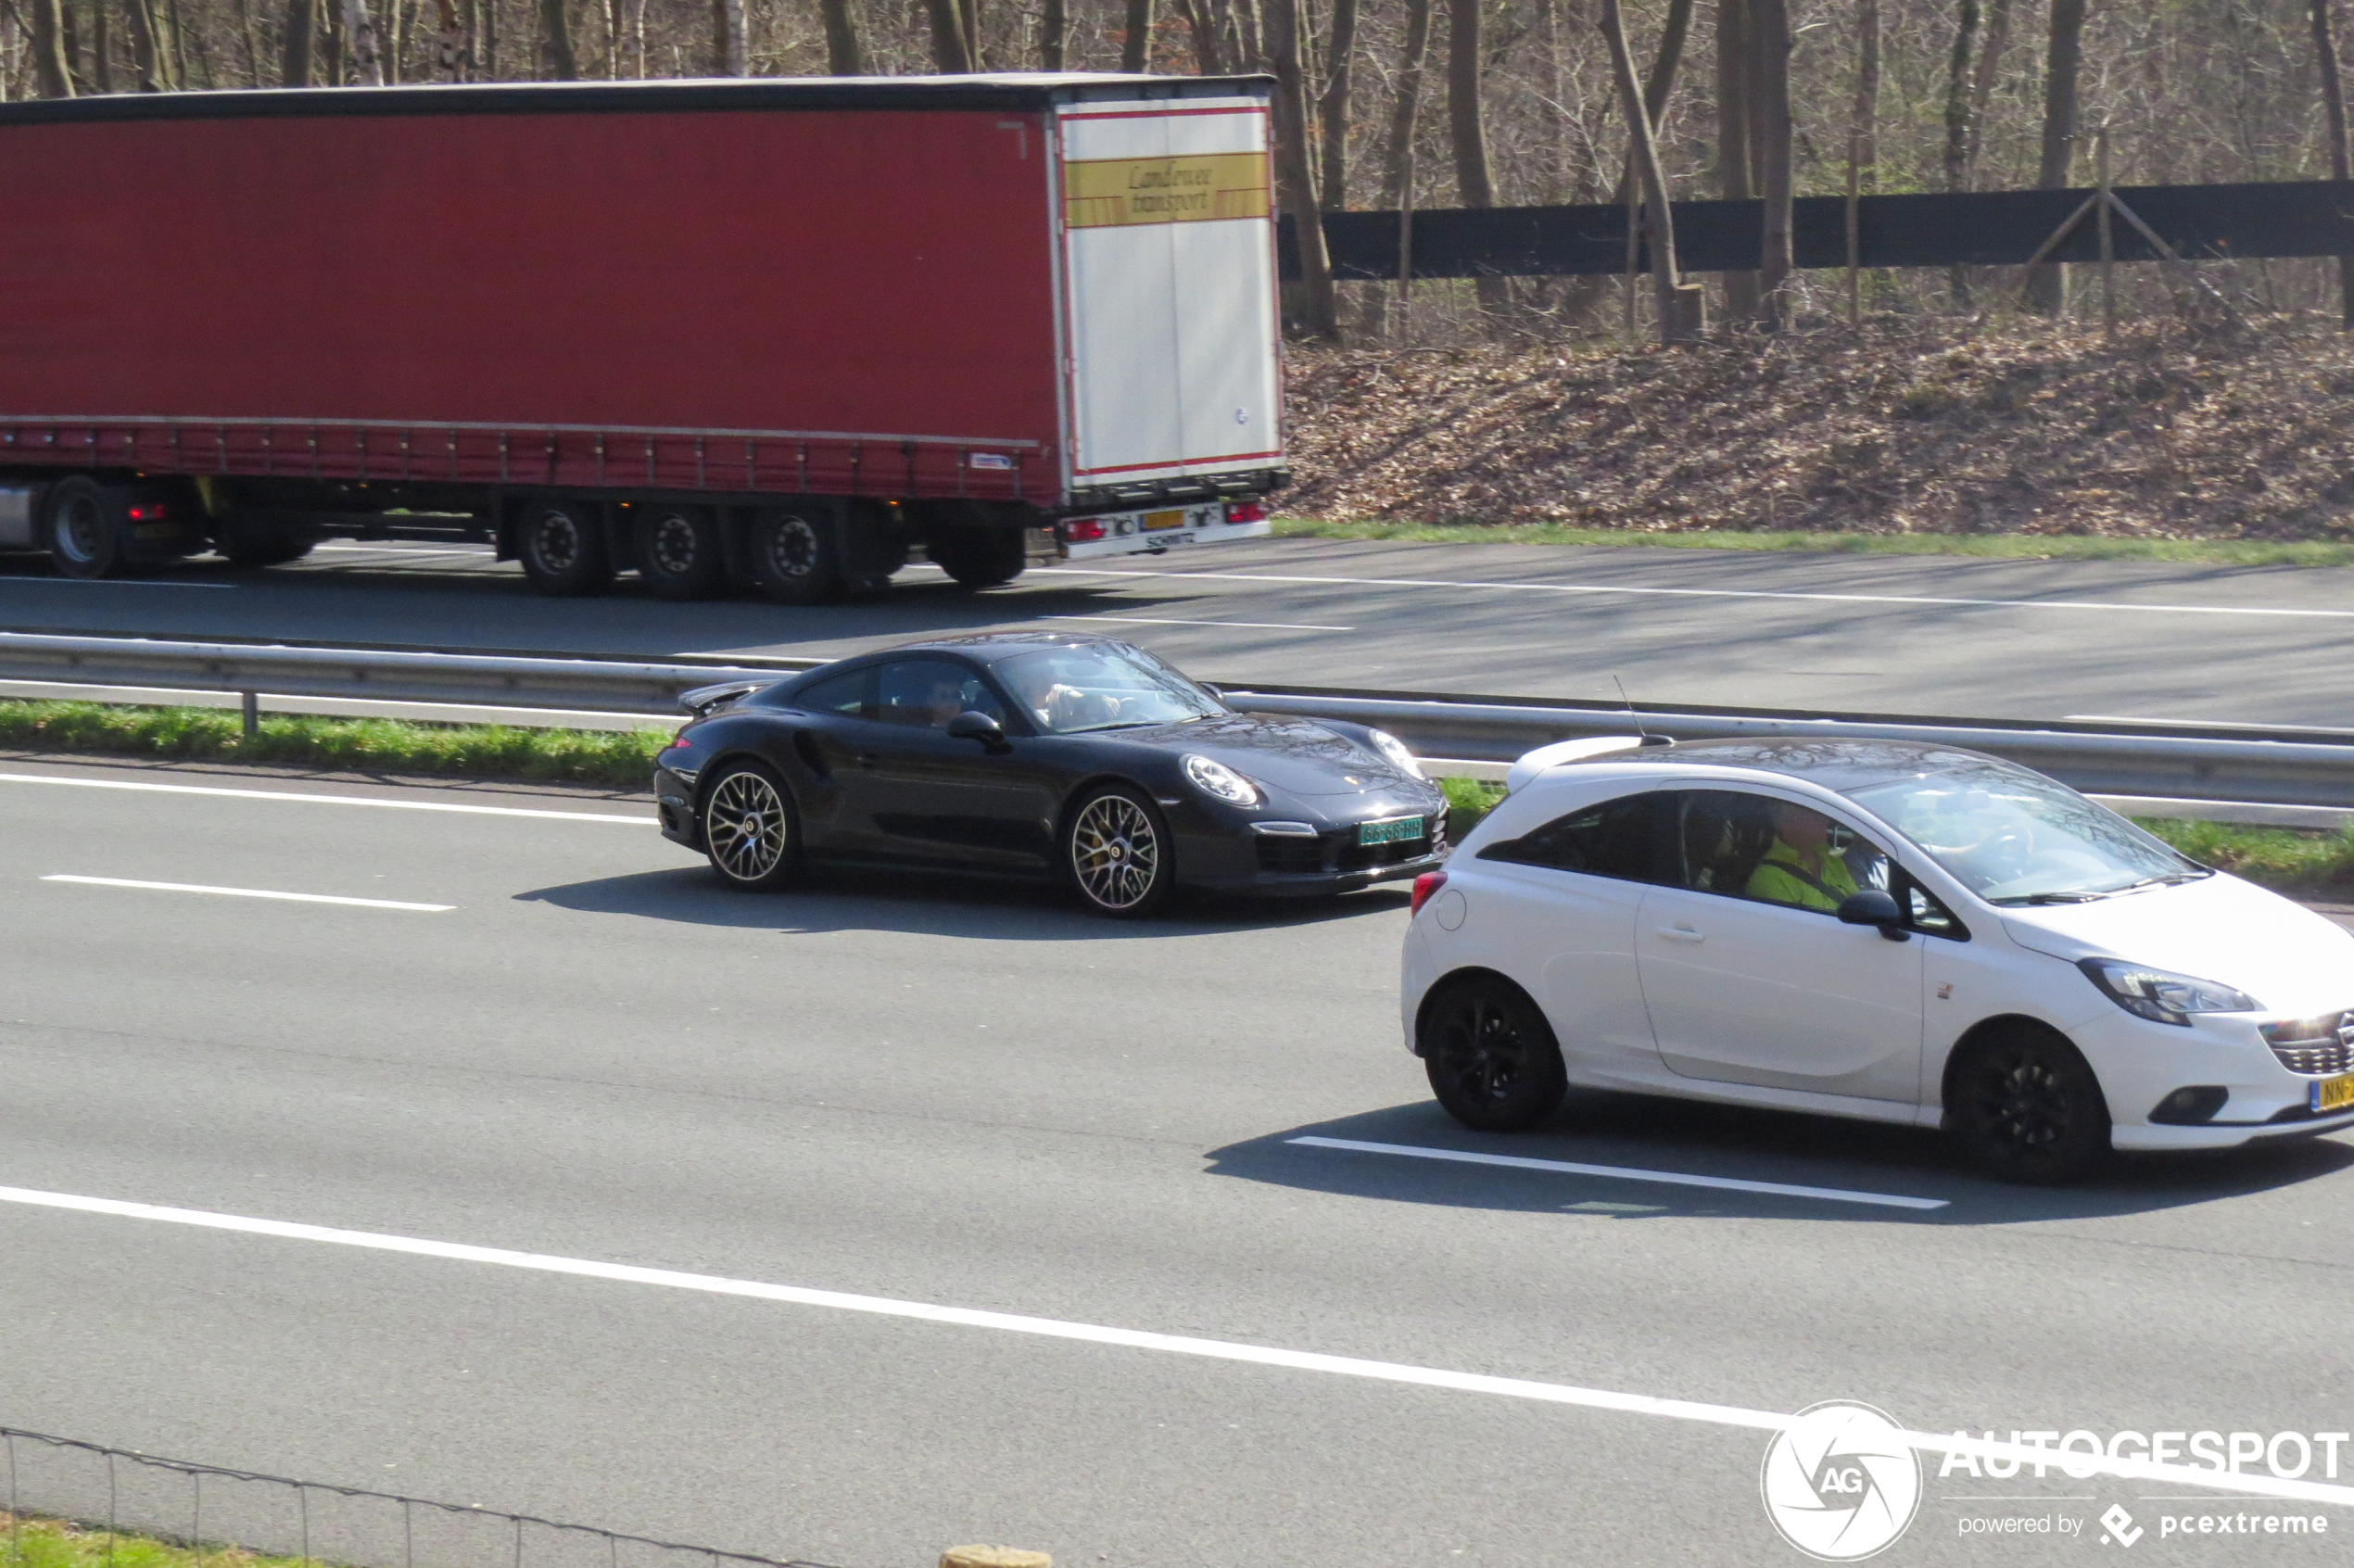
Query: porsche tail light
(1426, 887)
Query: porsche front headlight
(1217, 780)
(1395, 750)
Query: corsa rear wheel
(2026, 1108)
(1118, 853)
(749, 830)
(1491, 1057)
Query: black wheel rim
(675, 546)
(1482, 1052)
(81, 530)
(2022, 1105)
(555, 542)
(1115, 853)
(745, 826)
(792, 550)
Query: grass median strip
(31, 1541)
(621, 759)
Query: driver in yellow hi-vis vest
(1800, 869)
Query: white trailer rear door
(1170, 266)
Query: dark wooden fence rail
(1970, 228)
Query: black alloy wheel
(796, 557)
(1117, 853)
(89, 535)
(750, 829)
(1491, 1056)
(562, 546)
(678, 551)
(980, 558)
(2026, 1108)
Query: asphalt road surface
(872, 1097)
(1936, 635)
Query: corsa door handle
(1681, 933)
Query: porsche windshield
(2015, 837)
(1070, 691)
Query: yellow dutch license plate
(1156, 522)
(2334, 1094)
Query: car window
(927, 693)
(1102, 686)
(1618, 839)
(844, 694)
(1924, 913)
(1774, 850)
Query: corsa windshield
(1070, 690)
(2014, 837)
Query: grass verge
(30, 1542)
(2011, 547)
(617, 759)
(2317, 863)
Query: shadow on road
(1688, 1138)
(845, 899)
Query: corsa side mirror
(973, 724)
(1873, 908)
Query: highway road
(1927, 634)
(520, 1020)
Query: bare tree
(1981, 91)
(2063, 62)
(1769, 50)
(298, 43)
(359, 35)
(1398, 164)
(555, 41)
(2333, 114)
(1204, 24)
(844, 58)
(1332, 187)
(51, 77)
(1867, 122)
(1295, 180)
(1054, 25)
(731, 35)
(1466, 124)
(1659, 214)
(1135, 43)
(1736, 161)
(951, 47)
(1957, 63)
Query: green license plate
(1389, 832)
(2334, 1094)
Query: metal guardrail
(2315, 768)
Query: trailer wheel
(88, 535)
(562, 547)
(678, 551)
(980, 557)
(796, 558)
(244, 543)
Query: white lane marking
(253, 892)
(1702, 593)
(325, 799)
(1626, 1174)
(398, 550)
(2206, 724)
(1152, 621)
(1141, 1339)
(119, 582)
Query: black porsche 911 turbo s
(1040, 754)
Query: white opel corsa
(1898, 932)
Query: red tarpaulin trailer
(770, 333)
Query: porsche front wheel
(1116, 851)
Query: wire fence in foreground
(209, 1509)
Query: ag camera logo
(1841, 1482)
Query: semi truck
(766, 336)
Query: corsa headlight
(1220, 782)
(2160, 995)
(1389, 746)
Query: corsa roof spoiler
(1586, 749)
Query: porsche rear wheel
(749, 831)
(1117, 853)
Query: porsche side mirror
(973, 724)
(1873, 908)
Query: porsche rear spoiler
(704, 700)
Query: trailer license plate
(1156, 522)
(2334, 1094)
(1399, 828)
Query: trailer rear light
(1246, 511)
(1083, 530)
(1426, 886)
(151, 512)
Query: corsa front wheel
(2027, 1108)
(1117, 853)
(1490, 1055)
(749, 831)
